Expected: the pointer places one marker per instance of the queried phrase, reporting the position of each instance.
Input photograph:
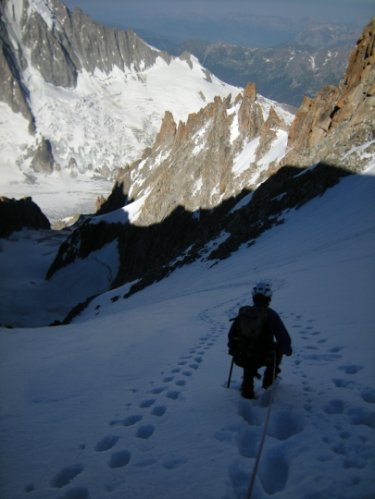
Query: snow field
(131, 401)
(58, 195)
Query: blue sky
(222, 19)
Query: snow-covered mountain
(78, 98)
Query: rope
(263, 437)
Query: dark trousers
(271, 362)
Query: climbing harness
(263, 437)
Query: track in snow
(293, 413)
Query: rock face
(13, 90)
(199, 163)
(62, 42)
(20, 214)
(148, 254)
(338, 125)
(77, 43)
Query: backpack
(251, 321)
(249, 326)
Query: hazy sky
(220, 18)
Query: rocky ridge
(199, 163)
(18, 214)
(338, 125)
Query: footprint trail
(140, 425)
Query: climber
(258, 338)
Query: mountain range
(278, 28)
(309, 57)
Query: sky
(227, 20)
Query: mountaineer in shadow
(258, 338)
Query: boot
(247, 388)
(268, 378)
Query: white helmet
(262, 288)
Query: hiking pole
(230, 372)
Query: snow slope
(26, 298)
(130, 400)
(108, 119)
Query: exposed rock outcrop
(83, 241)
(64, 42)
(20, 214)
(13, 90)
(116, 200)
(338, 125)
(194, 164)
(167, 133)
(42, 157)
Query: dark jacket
(276, 327)
(275, 336)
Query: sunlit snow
(102, 124)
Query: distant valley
(315, 55)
